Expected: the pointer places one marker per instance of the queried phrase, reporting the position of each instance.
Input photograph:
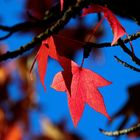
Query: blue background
(55, 103)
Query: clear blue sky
(55, 103)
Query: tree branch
(31, 45)
(121, 132)
(126, 64)
(50, 17)
(108, 44)
(131, 54)
(59, 24)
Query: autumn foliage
(47, 20)
(75, 80)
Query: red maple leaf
(117, 28)
(84, 89)
(48, 49)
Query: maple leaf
(42, 58)
(84, 89)
(117, 28)
(48, 49)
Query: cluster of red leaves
(70, 34)
(75, 80)
(80, 84)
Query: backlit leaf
(84, 89)
(117, 28)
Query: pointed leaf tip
(42, 59)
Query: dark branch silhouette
(121, 132)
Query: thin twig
(121, 132)
(59, 24)
(127, 51)
(126, 64)
(108, 44)
(68, 14)
(31, 45)
(52, 16)
(132, 37)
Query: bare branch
(52, 16)
(59, 24)
(121, 132)
(131, 54)
(27, 47)
(126, 64)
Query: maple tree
(80, 84)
